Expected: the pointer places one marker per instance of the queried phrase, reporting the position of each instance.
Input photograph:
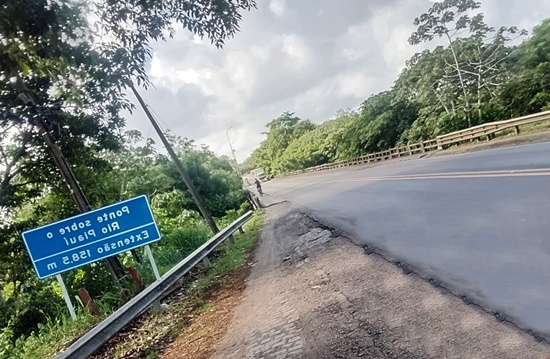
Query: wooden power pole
(190, 186)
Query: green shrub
(6, 343)
(48, 340)
(32, 305)
(187, 239)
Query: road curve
(479, 222)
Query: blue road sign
(91, 236)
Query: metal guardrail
(99, 335)
(439, 143)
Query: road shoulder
(313, 294)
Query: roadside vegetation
(63, 85)
(480, 74)
(153, 331)
(33, 316)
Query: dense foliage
(481, 75)
(135, 168)
(62, 85)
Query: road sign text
(91, 236)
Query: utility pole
(233, 153)
(179, 166)
(27, 97)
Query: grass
(175, 247)
(54, 336)
(51, 338)
(152, 354)
(155, 329)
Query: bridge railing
(486, 130)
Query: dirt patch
(210, 324)
(188, 328)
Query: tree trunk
(113, 264)
(466, 100)
(190, 186)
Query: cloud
(312, 57)
(277, 7)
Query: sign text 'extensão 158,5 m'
(91, 236)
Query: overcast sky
(311, 57)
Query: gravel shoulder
(314, 294)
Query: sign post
(66, 296)
(152, 260)
(156, 304)
(89, 237)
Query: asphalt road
(479, 222)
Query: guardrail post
(439, 145)
(135, 278)
(422, 147)
(516, 128)
(409, 149)
(88, 302)
(241, 230)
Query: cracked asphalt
(313, 293)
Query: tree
(479, 62)
(449, 19)
(137, 167)
(529, 91)
(318, 146)
(216, 181)
(51, 44)
(381, 121)
(282, 131)
(424, 84)
(61, 90)
(130, 26)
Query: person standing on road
(258, 186)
